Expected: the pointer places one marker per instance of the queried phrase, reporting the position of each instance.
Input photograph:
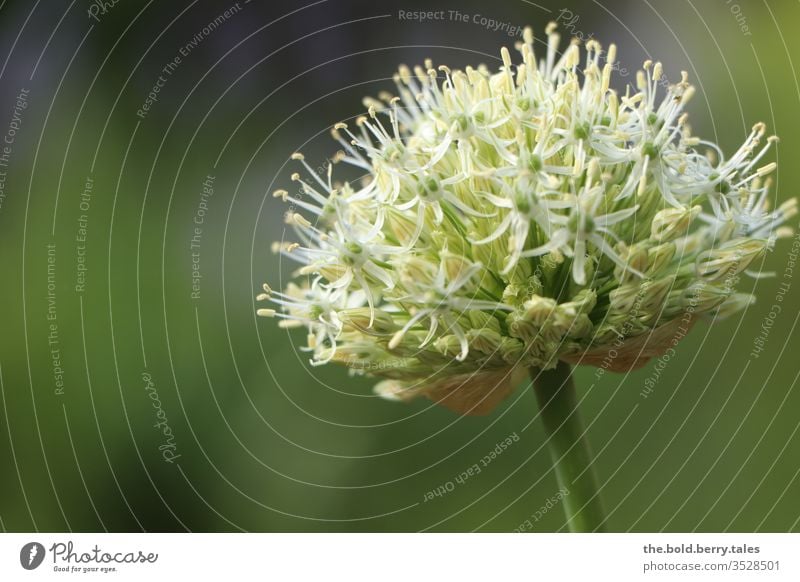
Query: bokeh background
(261, 441)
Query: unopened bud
(702, 297)
(659, 257)
(539, 309)
(734, 304)
(730, 259)
(671, 223)
(484, 340)
(636, 259)
(483, 320)
(359, 319)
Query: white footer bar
(400, 557)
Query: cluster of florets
(509, 220)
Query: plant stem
(572, 457)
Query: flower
(516, 218)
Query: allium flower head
(513, 219)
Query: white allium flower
(510, 220)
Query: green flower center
(582, 130)
(429, 189)
(580, 221)
(650, 150)
(523, 203)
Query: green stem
(555, 392)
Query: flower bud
(483, 320)
(670, 223)
(580, 327)
(448, 345)
(359, 320)
(522, 329)
(402, 227)
(539, 309)
(394, 390)
(511, 350)
(701, 297)
(484, 340)
(733, 304)
(628, 298)
(582, 303)
(730, 259)
(659, 257)
(636, 258)
(492, 255)
(656, 294)
(514, 295)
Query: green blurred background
(260, 440)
